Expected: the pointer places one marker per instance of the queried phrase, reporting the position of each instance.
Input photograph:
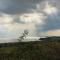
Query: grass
(38, 50)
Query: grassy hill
(37, 50)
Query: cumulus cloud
(10, 28)
(37, 16)
(6, 19)
(32, 18)
(51, 14)
(52, 21)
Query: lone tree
(24, 34)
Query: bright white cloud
(6, 19)
(32, 18)
(49, 9)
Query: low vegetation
(38, 50)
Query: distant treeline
(53, 38)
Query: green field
(38, 50)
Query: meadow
(34, 50)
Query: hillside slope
(38, 50)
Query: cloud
(6, 19)
(32, 18)
(10, 28)
(51, 26)
(37, 16)
(48, 9)
(17, 6)
(53, 33)
(52, 22)
(52, 18)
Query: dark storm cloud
(17, 6)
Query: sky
(39, 17)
